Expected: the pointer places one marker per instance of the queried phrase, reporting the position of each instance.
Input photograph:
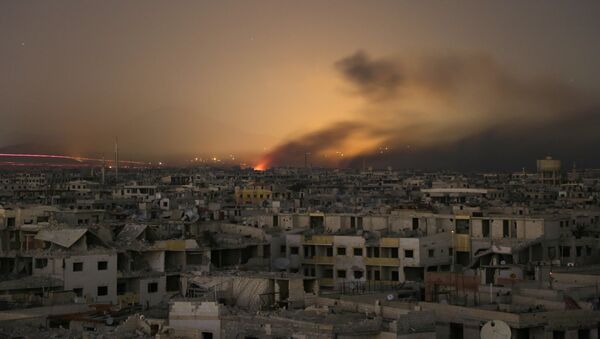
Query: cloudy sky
(469, 84)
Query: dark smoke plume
(450, 111)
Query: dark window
(307, 252)
(207, 335)
(377, 275)
(121, 288)
(152, 287)
(341, 274)
(358, 252)
(505, 228)
(102, 290)
(485, 228)
(77, 266)
(358, 274)
(394, 253)
(102, 265)
(408, 253)
(395, 276)
(341, 250)
(78, 292)
(431, 253)
(294, 250)
(551, 252)
(41, 262)
(415, 223)
(282, 249)
(329, 251)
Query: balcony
(318, 240)
(389, 242)
(319, 260)
(327, 282)
(462, 242)
(394, 262)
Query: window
(77, 266)
(377, 275)
(78, 292)
(207, 335)
(408, 253)
(102, 290)
(450, 251)
(358, 252)
(294, 250)
(551, 252)
(358, 274)
(282, 249)
(505, 228)
(485, 228)
(431, 253)
(41, 262)
(341, 251)
(578, 251)
(394, 253)
(415, 223)
(121, 288)
(329, 252)
(152, 287)
(341, 274)
(102, 265)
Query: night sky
(427, 84)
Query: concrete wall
(203, 317)
(90, 278)
(147, 298)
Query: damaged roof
(131, 232)
(63, 237)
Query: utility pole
(116, 159)
(453, 250)
(103, 168)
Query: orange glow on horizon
(262, 166)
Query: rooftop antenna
(116, 158)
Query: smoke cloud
(449, 111)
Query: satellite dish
(496, 329)
(281, 263)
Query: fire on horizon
(441, 84)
